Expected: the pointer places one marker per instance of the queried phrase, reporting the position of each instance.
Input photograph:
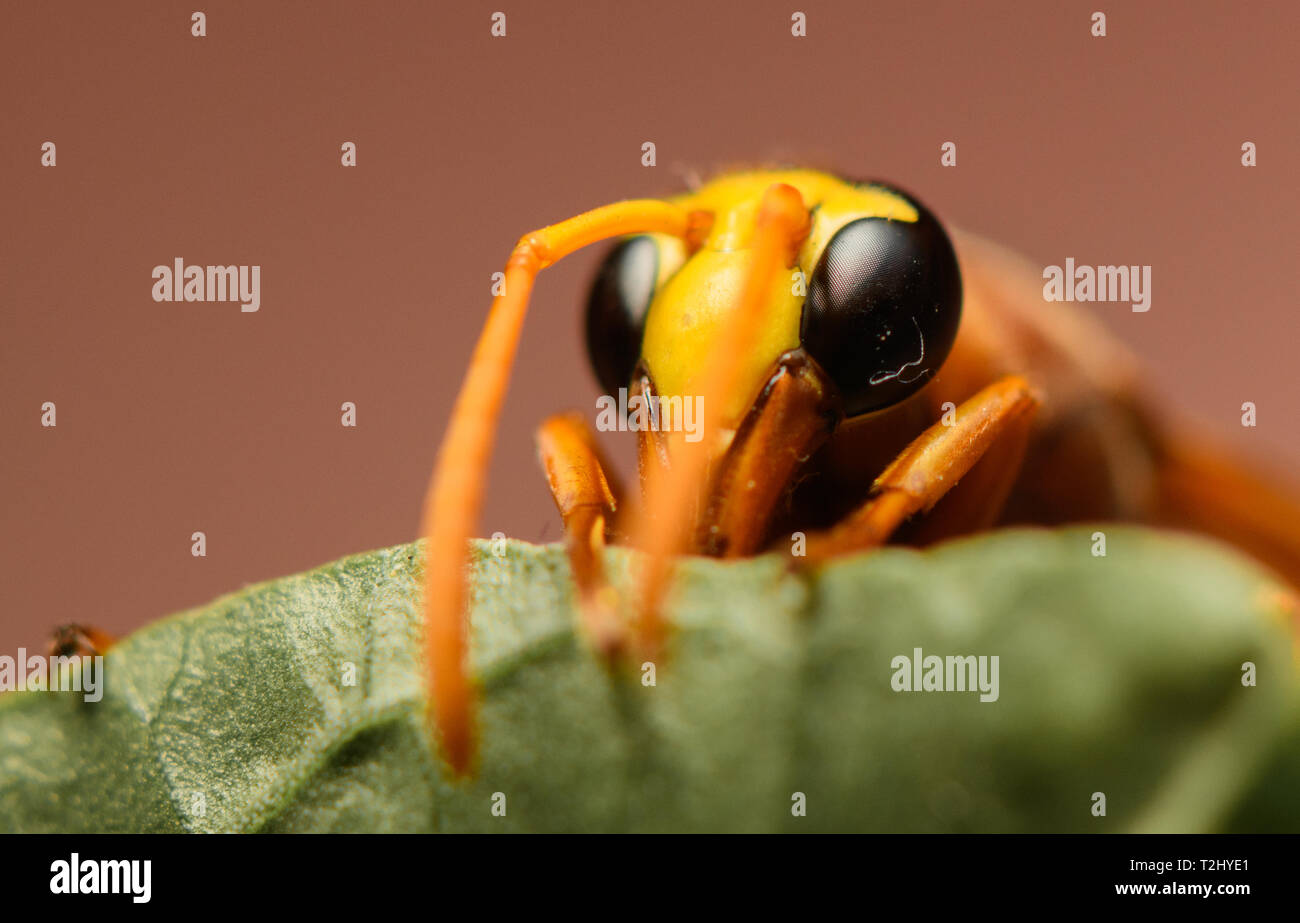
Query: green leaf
(1119, 674)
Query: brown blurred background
(177, 417)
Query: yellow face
(689, 309)
(873, 297)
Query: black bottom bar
(333, 873)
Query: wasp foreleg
(991, 425)
(587, 498)
(795, 412)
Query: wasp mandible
(863, 377)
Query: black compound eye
(882, 309)
(616, 309)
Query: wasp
(862, 376)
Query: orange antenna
(780, 228)
(452, 505)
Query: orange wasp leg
(587, 498)
(663, 528)
(794, 414)
(991, 425)
(455, 494)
